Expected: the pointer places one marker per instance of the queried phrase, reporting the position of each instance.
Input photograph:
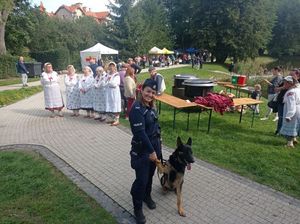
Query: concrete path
(19, 86)
(101, 154)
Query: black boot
(149, 202)
(139, 216)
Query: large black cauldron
(197, 87)
(179, 89)
(179, 79)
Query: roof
(98, 15)
(71, 8)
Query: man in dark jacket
(22, 70)
(137, 69)
(93, 65)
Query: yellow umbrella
(166, 51)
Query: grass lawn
(11, 81)
(33, 191)
(252, 152)
(11, 96)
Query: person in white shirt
(52, 93)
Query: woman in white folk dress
(72, 91)
(52, 93)
(99, 94)
(291, 111)
(86, 84)
(113, 95)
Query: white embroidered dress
(86, 84)
(99, 93)
(72, 92)
(291, 111)
(52, 93)
(113, 95)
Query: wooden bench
(246, 101)
(180, 105)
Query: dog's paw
(181, 212)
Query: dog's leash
(162, 179)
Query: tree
(6, 6)
(20, 25)
(179, 19)
(237, 28)
(118, 32)
(147, 25)
(286, 33)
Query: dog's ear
(189, 142)
(179, 142)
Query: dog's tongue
(189, 166)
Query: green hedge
(59, 58)
(8, 66)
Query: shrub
(8, 66)
(59, 58)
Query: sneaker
(264, 118)
(295, 141)
(150, 203)
(139, 216)
(103, 119)
(275, 119)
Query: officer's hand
(153, 157)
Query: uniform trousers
(144, 171)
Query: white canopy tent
(95, 52)
(155, 50)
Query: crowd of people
(103, 92)
(284, 94)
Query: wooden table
(180, 105)
(246, 101)
(237, 88)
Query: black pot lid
(184, 76)
(198, 81)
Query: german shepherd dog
(174, 168)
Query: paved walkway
(101, 153)
(19, 86)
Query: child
(256, 94)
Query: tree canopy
(226, 28)
(286, 33)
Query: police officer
(146, 148)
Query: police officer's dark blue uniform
(146, 140)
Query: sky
(53, 5)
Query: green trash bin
(234, 79)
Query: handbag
(274, 104)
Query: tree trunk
(221, 57)
(2, 39)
